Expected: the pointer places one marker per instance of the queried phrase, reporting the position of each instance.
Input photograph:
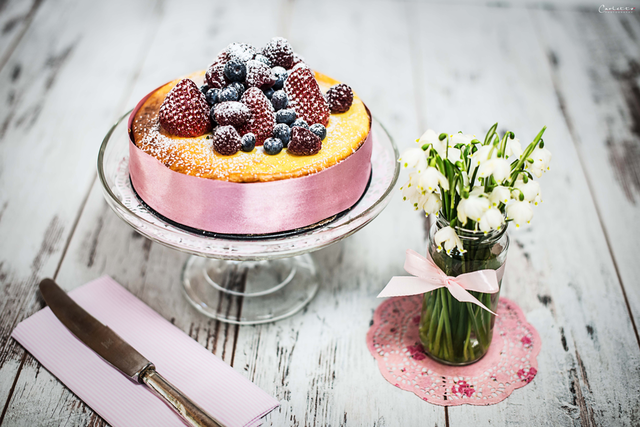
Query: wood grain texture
(15, 18)
(559, 270)
(595, 65)
(50, 131)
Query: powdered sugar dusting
(195, 156)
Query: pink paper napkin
(201, 375)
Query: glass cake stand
(246, 280)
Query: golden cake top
(195, 155)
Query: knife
(119, 354)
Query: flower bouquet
(475, 188)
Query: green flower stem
(444, 295)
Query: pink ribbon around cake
(249, 208)
(427, 277)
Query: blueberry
(263, 59)
(287, 116)
(272, 146)
(235, 70)
(228, 94)
(281, 75)
(279, 100)
(319, 130)
(204, 88)
(239, 87)
(248, 142)
(300, 122)
(283, 132)
(268, 92)
(212, 96)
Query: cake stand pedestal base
(250, 292)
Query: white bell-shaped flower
(430, 202)
(431, 137)
(530, 190)
(482, 155)
(499, 195)
(492, 219)
(431, 178)
(414, 158)
(454, 155)
(520, 212)
(498, 167)
(411, 192)
(473, 207)
(460, 138)
(541, 159)
(513, 148)
(447, 238)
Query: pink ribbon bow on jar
(428, 277)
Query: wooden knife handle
(191, 413)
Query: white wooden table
(69, 68)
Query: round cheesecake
(194, 156)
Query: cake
(258, 124)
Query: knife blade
(122, 356)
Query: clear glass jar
(453, 332)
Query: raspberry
(241, 51)
(340, 98)
(279, 52)
(258, 74)
(226, 140)
(215, 73)
(184, 111)
(262, 118)
(296, 60)
(303, 142)
(231, 113)
(305, 97)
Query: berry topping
(212, 116)
(279, 100)
(212, 96)
(297, 59)
(241, 51)
(273, 146)
(305, 96)
(340, 98)
(184, 111)
(235, 70)
(281, 75)
(304, 142)
(279, 52)
(262, 117)
(287, 116)
(215, 73)
(226, 140)
(300, 123)
(268, 92)
(283, 133)
(319, 130)
(239, 87)
(248, 142)
(231, 113)
(263, 59)
(259, 74)
(204, 88)
(229, 93)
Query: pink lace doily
(509, 364)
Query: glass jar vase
(453, 332)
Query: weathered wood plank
(54, 113)
(317, 362)
(595, 64)
(104, 244)
(491, 67)
(15, 18)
